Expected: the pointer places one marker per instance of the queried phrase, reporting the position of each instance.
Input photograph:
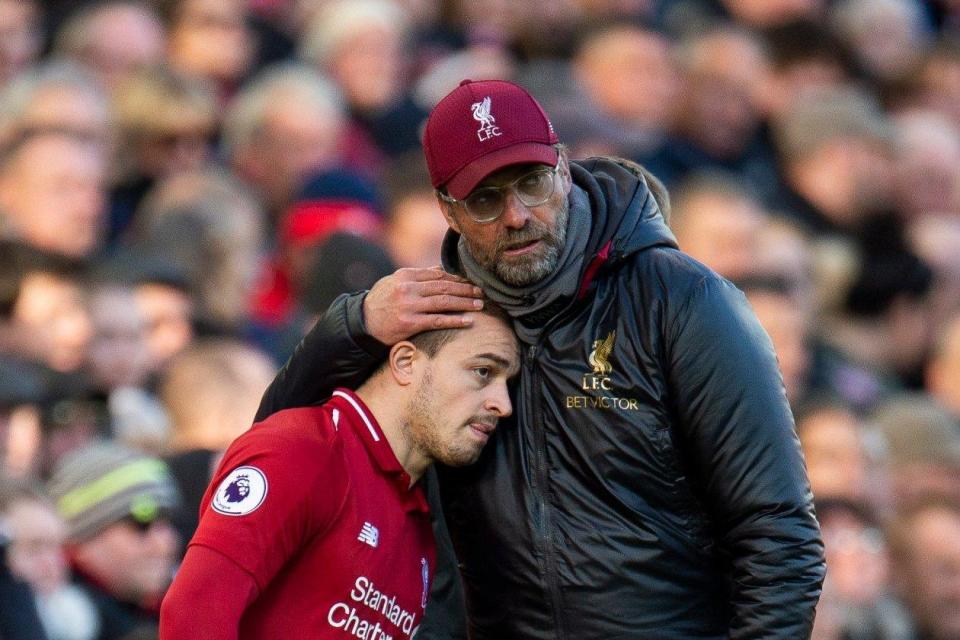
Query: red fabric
(593, 267)
(272, 296)
(309, 223)
(336, 541)
(306, 224)
(224, 589)
(480, 127)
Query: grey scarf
(531, 306)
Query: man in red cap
(651, 484)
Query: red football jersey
(314, 505)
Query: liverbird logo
(481, 113)
(600, 356)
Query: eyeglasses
(143, 527)
(486, 204)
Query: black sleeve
(337, 352)
(736, 423)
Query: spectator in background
(113, 38)
(48, 321)
(23, 390)
(925, 541)
(162, 292)
(116, 503)
(719, 111)
(332, 202)
(786, 320)
(52, 192)
(834, 156)
(166, 124)
(210, 391)
(626, 87)
(285, 124)
(928, 154)
(210, 226)
(414, 230)
(362, 45)
(936, 240)
(717, 222)
(56, 95)
(942, 375)
(859, 590)
(888, 38)
(842, 455)
(887, 320)
(211, 40)
(922, 447)
(20, 37)
(770, 13)
(805, 58)
(36, 555)
(118, 368)
(342, 263)
(937, 83)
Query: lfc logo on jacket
(599, 379)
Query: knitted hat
(105, 483)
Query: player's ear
(401, 361)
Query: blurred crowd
(186, 184)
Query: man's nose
(515, 213)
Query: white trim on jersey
(336, 419)
(366, 420)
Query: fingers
(429, 273)
(446, 304)
(446, 288)
(414, 300)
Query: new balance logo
(369, 534)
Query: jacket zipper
(544, 536)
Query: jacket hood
(625, 214)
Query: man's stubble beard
(423, 430)
(527, 269)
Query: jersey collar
(378, 448)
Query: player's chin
(463, 456)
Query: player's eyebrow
(505, 365)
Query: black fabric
(649, 483)
(19, 619)
(120, 620)
(191, 470)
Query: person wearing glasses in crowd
(316, 524)
(122, 548)
(650, 483)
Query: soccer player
(315, 524)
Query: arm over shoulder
(336, 353)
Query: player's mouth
(483, 430)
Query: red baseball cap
(480, 127)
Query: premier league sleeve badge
(241, 492)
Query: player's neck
(388, 408)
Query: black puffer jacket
(650, 484)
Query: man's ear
(565, 179)
(402, 362)
(447, 210)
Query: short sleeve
(271, 493)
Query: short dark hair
(430, 342)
